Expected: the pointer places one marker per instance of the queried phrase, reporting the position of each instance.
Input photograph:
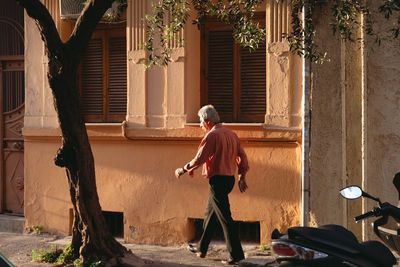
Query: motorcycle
(4, 262)
(334, 245)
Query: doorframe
(2, 179)
(3, 68)
(16, 22)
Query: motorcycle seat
(329, 235)
(337, 237)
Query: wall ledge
(256, 132)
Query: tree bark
(90, 234)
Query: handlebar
(384, 210)
(365, 215)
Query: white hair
(209, 113)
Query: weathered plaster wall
(39, 108)
(47, 200)
(355, 130)
(137, 178)
(192, 71)
(336, 128)
(351, 73)
(336, 138)
(284, 74)
(326, 130)
(382, 119)
(33, 83)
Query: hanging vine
(169, 17)
(345, 21)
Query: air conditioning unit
(71, 9)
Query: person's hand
(179, 172)
(242, 183)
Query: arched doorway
(12, 96)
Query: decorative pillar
(54, 8)
(175, 81)
(49, 115)
(155, 97)
(278, 65)
(137, 86)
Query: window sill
(252, 132)
(233, 124)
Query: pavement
(17, 248)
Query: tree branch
(86, 23)
(45, 23)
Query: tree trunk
(91, 238)
(90, 232)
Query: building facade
(142, 125)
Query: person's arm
(205, 150)
(180, 171)
(243, 167)
(242, 183)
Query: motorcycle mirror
(351, 192)
(354, 192)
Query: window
(103, 81)
(233, 78)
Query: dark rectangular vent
(248, 231)
(115, 222)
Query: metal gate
(12, 121)
(12, 96)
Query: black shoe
(231, 261)
(198, 253)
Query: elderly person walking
(220, 153)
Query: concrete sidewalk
(18, 247)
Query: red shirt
(220, 153)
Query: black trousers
(218, 210)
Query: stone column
(175, 82)
(136, 91)
(48, 114)
(282, 69)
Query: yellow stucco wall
(136, 177)
(354, 138)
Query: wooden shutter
(117, 84)
(253, 84)
(104, 77)
(92, 81)
(220, 73)
(233, 78)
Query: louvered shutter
(92, 81)
(233, 78)
(117, 78)
(104, 76)
(253, 84)
(220, 73)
